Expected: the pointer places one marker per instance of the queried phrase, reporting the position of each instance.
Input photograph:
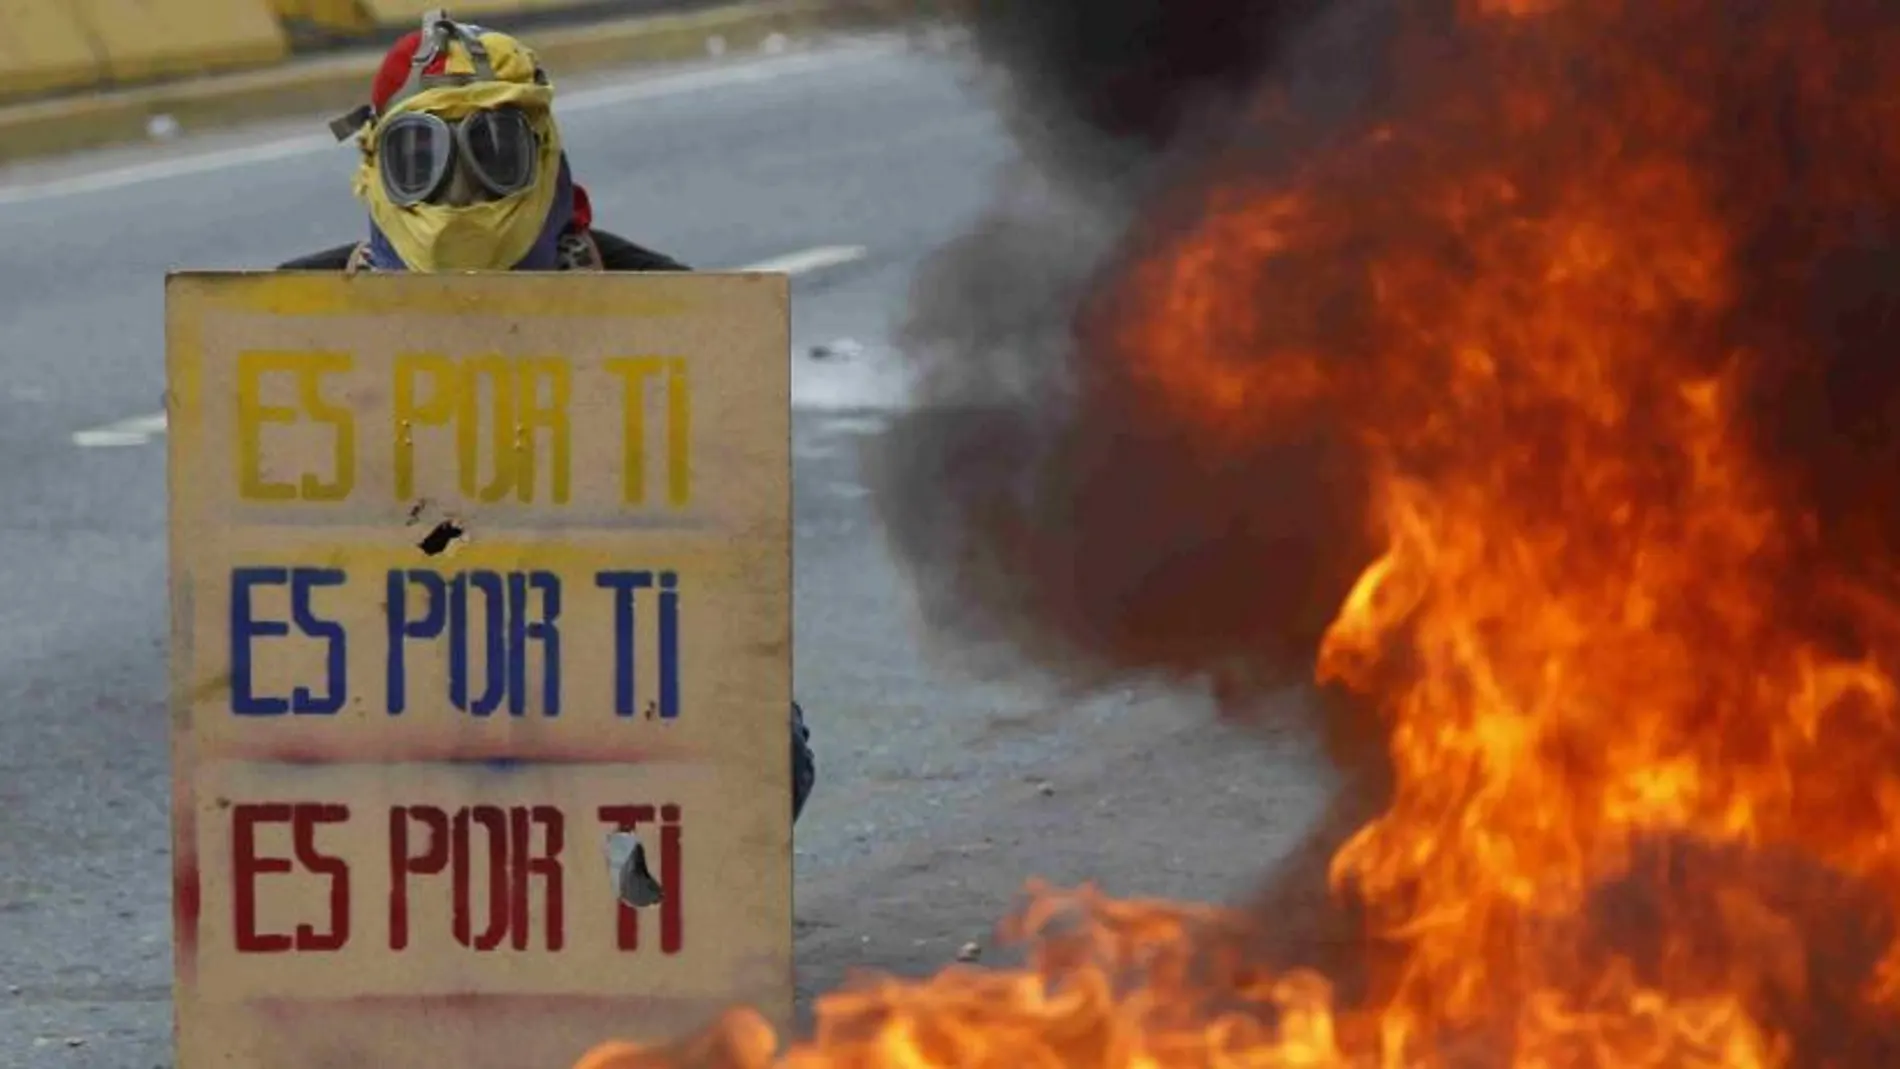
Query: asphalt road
(846, 164)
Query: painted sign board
(476, 581)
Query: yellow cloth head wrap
(491, 236)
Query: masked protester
(463, 170)
(463, 166)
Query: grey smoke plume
(1044, 511)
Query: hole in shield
(441, 538)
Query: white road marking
(120, 177)
(747, 73)
(859, 425)
(140, 430)
(135, 431)
(801, 263)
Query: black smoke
(1129, 74)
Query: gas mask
(460, 169)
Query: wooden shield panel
(477, 581)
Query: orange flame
(1642, 725)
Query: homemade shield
(478, 582)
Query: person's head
(462, 166)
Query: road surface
(844, 163)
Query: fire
(1640, 701)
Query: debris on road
(841, 349)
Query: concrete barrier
(53, 46)
(43, 46)
(48, 46)
(410, 12)
(328, 18)
(406, 14)
(319, 87)
(144, 39)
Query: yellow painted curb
(73, 124)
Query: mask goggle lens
(416, 153)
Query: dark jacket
(616, 254)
